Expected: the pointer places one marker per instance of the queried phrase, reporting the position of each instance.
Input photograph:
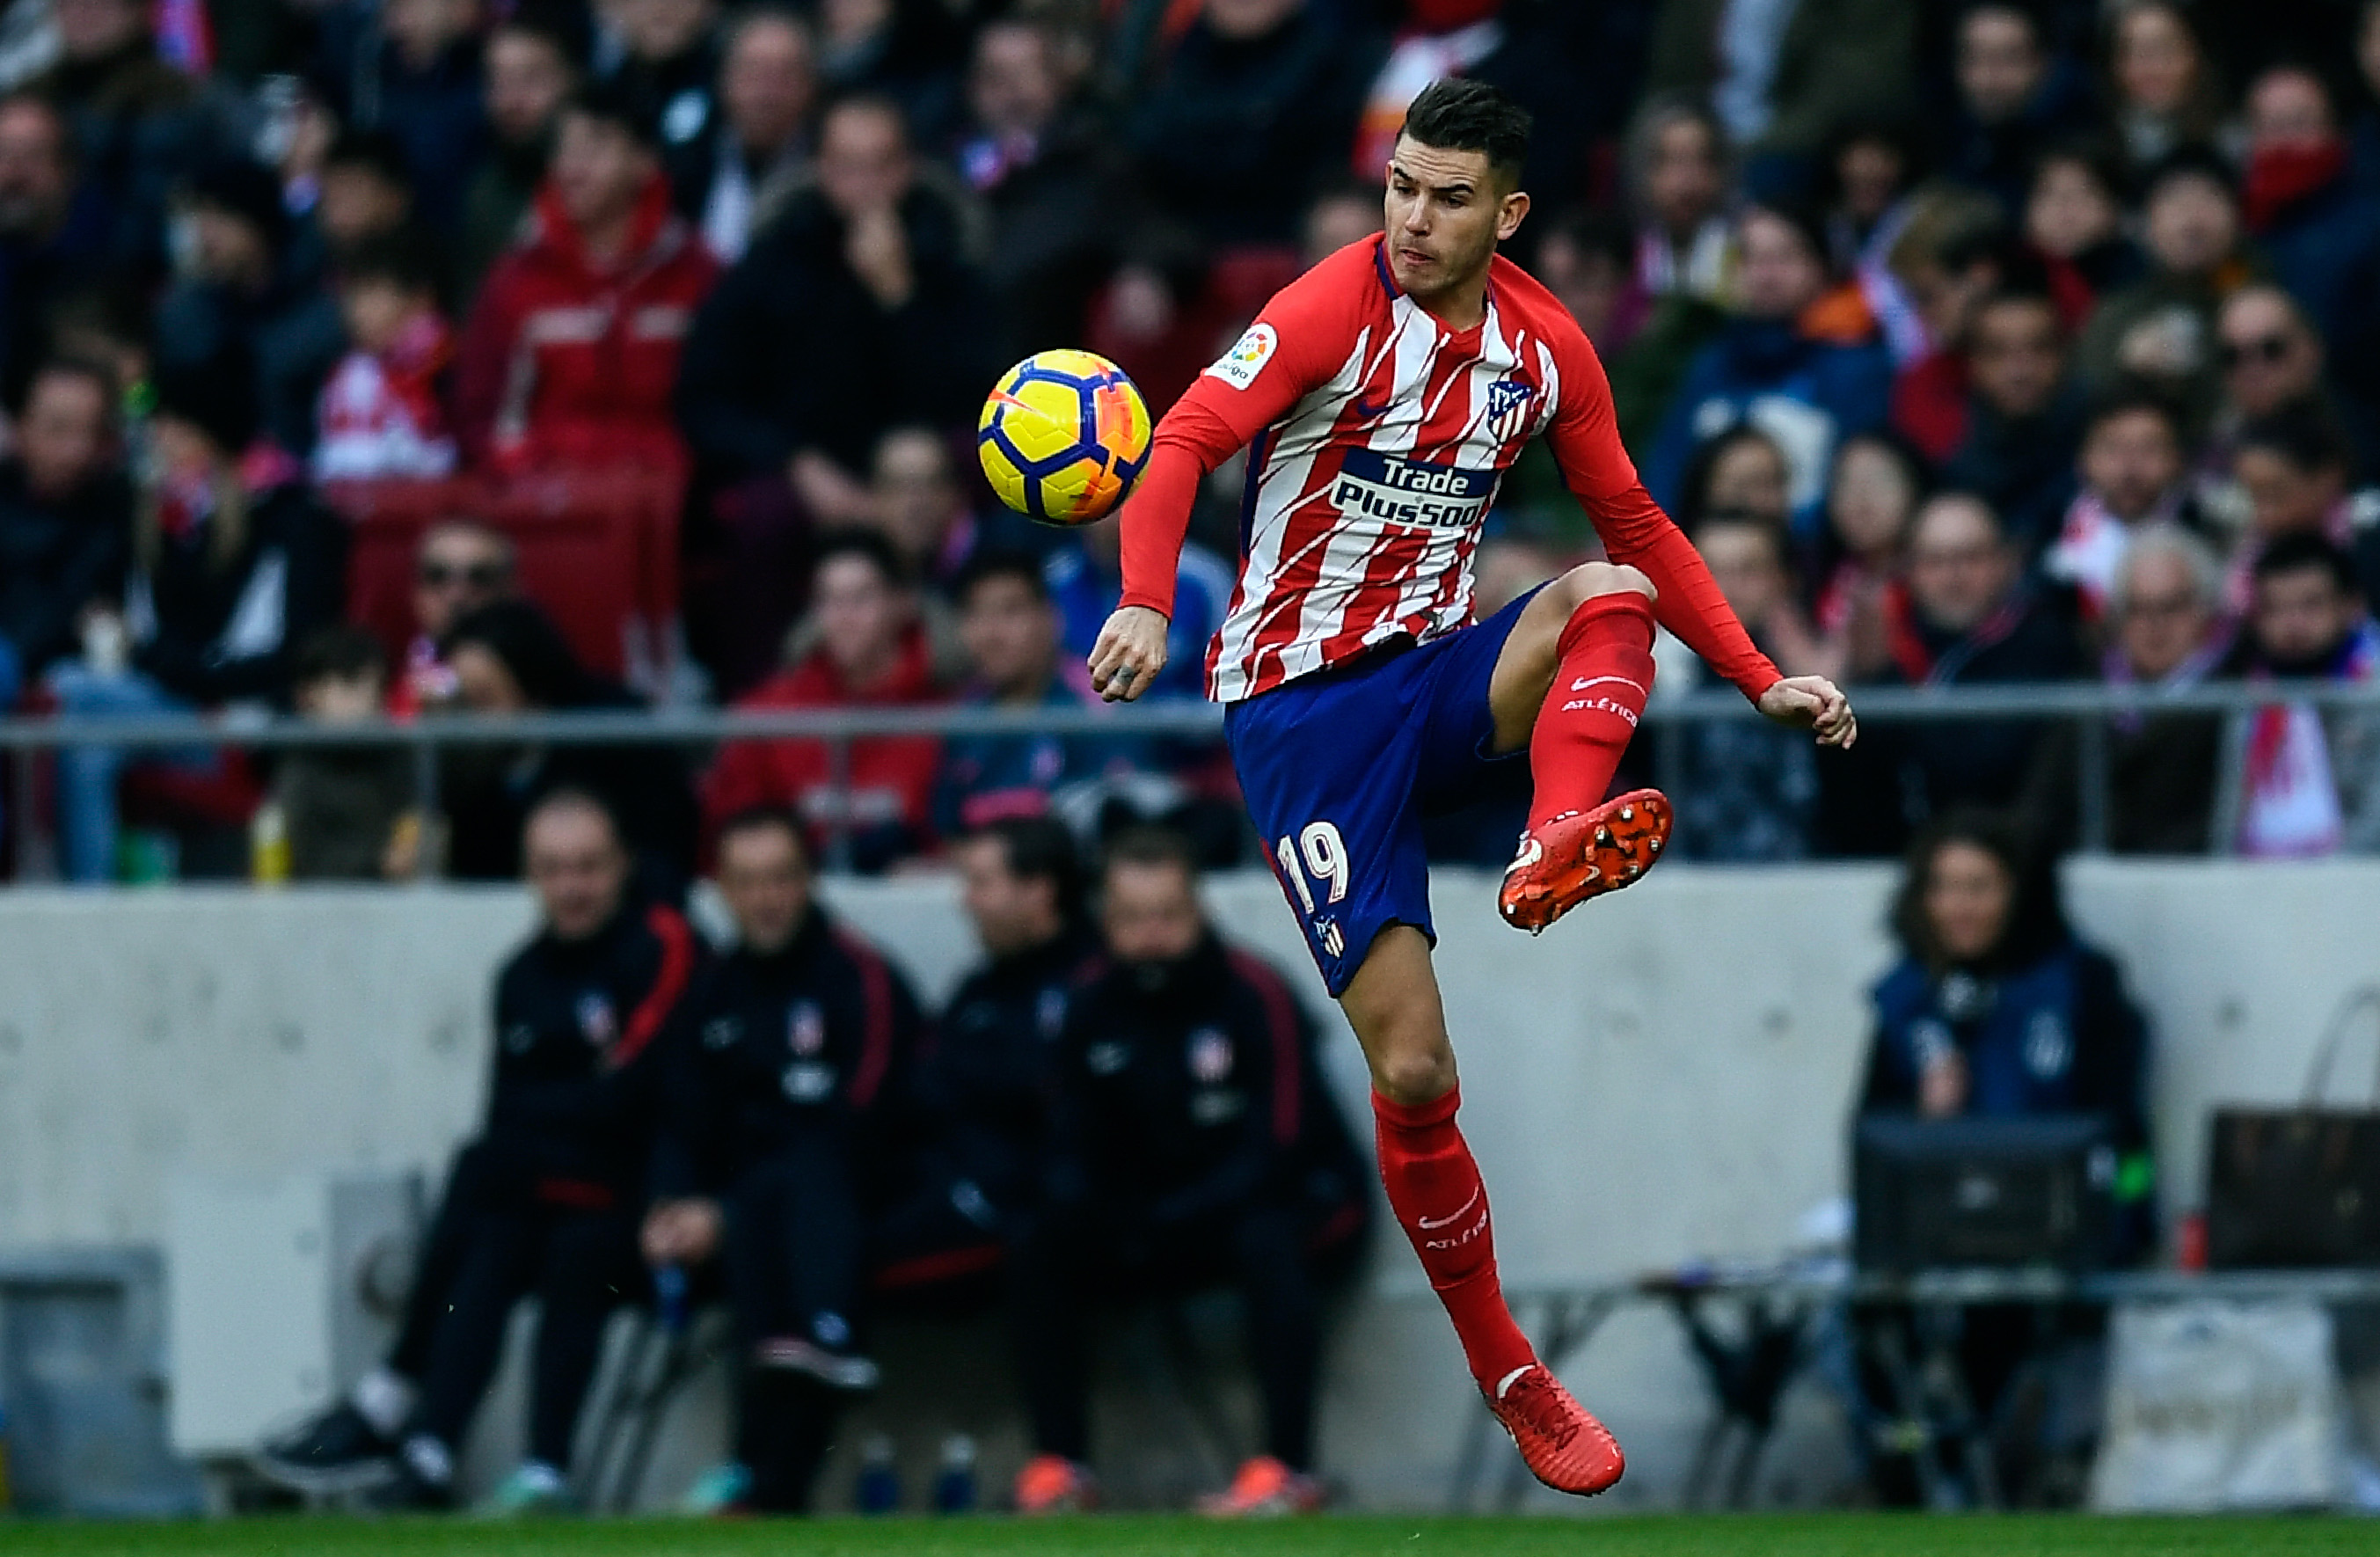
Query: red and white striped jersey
(1378, 437)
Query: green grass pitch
(1725, 1536)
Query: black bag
(2297, 1186)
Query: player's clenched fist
(1129, 654)
(1815, 704)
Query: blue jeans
(87, 774)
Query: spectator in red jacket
(869, 652)
(571, 351)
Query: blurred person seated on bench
(543, 1201)
(1997, 1010)
(1193, 1144)
(771, 1145)
(981, 1095)
(510, 658)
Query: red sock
(1589, 714)
(1434, 1190)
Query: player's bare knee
(1418, 1075)
(1589, 579)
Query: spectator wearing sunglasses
(2272, 357)
(462, 566)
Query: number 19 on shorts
(1315, 861)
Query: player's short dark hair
(986, 565)
(765, 819)
(870, 546)
(1460, 114)
(2305, 552)
(402, 259)
(2301, 433)
(1040, 848)
(1148, 845)
(345, 653)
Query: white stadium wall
(1664, 1077)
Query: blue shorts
(1339, 769)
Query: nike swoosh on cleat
(1504, 1385)
(1426, 1225)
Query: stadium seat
(597, 550)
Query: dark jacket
(753, 389)
(1991, 762)
(984, 1082)
(2023, 466)
(1057, 220)
(488, 791)
(291, 330)
(1844, 389)
(212, 633)
(1183, 1091)
(434, 113)
(788, 1044)
(1229, 136)
(584, 1032)
(2053, 1034)
(55, 558)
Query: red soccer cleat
(1054, 1484)
(1562, 1444)
(1583, 855)
(1264, 1488)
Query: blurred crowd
(1974, 343)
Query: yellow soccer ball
(1063, 437)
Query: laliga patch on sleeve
(1239, 366)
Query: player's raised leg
(1571, 683)
(1434, 1189)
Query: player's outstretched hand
(1129, 654)
(1814, 703)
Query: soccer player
(1385, 393)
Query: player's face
(1150, 913)
(1446, 212)
(765, 882)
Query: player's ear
(1510, 215)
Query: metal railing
(2087, 706)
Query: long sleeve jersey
(1378, 438)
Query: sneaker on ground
(1265, 1487)
(719, 1493)
(332, 1452)
(1583, 855)
(1563, 1445)
(1054, 1484)
(530, 1490)
(839, 1370)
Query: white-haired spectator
(2161, 607)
